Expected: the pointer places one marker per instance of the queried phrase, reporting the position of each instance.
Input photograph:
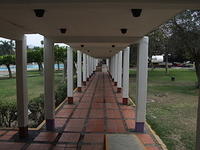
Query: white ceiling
(95, 24)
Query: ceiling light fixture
(113, 45)
(136, 12)
(63, 30)
(82, 45)
(123, 30)
(39, 12)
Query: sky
(34, 40)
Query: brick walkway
(82, 126)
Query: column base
(50, 124)
(23, 132)
(84, 83)
(119, 90)
(115, 83)
(139, 127)
(125, 101)
(70, 100)
(79, 89)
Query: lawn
(35, 86)
(171, 106)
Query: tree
(60, 54)
(185, 37)
(36, 55)
(6, 47)
(8, 60)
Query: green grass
(171, 106)
(35, 85)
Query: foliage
(35, 55)
(8, 60)
(8, 113)
(6, 47)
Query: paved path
(97, 111)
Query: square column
(21, 86)
(49, 98)
(88, 70)
(119, 73)
(112, 68)
(84, 70)
(115, 68)
(79, 70)
(70, 75)
(141, 93)
(125, 87)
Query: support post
(49, 99)
(70, 75)
(115, 66)
(141, 93)
(125, 89)
(84, 70)
(79, 71)
(88, 70)
(119, 73)
(21, 86)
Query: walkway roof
(95, 24)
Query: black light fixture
(136, 12)
(63, 30)
(82, 45)
(88, 51)
(123, 30)
(113, 45)
(39, 12)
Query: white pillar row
(79, 71)
(141, 91)
(21, 86)
(115, 70)
(87, 66)
(84, 70)
(70, 75)
(119, 72)
(49, 98)
(125, 87)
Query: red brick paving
(96, 111)
(46, 136)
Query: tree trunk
(9, 71)
(198, 126)
(40, 67)
(197, 67)
(166, 63)
(58, 65)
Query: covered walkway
(96, 112)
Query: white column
(141, 94)
(21, 85)
(49, 99)
(70, 75)
(88, 70)
(115, 70)
(125, 88)
(119, 72)
(84, 70)
(112, 68)
(79, 70)
(107, 63)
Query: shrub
(36, 107)
(8, 113)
